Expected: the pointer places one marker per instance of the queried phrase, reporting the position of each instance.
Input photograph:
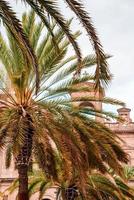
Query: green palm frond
(5, 53)
(125, 186)
(8, 156)
(40, 12)
(17, 61)
(52, 9)
(14, 26)
(129, 172)
(100, 186)
(36, 35)
(29, 24)
(104, 100)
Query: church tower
(124, 113)
(96, 105)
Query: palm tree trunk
(23, 160)
(23, 182)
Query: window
(87, 104)
(46, 199)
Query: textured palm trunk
(23, 182)
(23, 160)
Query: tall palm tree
(47, 124)
(46, 9)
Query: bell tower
(96, 105)
(124, 113)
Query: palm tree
(99, 187)
(47, 125)
(45, 10)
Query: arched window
(87, 104)
(46, 199)
(90, 106)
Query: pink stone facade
(93, 94)
(125, 131)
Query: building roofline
(124, 109)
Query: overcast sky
(114, 21)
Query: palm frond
(36, 35)
(5, 55)
(52, 9)
(8, 156)
(40, 12)
(102, 71)
(14, 26)
(17, 61)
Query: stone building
(124, 130)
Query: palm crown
(47, 124)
